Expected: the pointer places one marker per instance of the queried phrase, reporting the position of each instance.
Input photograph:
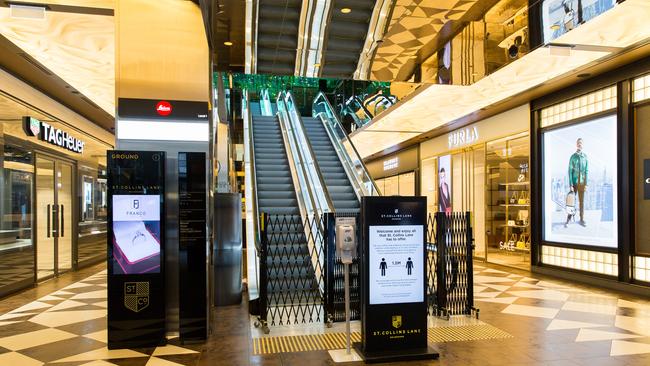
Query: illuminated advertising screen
(561, 16)
(580, 183)
(136, 234)
(444, 184)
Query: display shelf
(515, 184)
(517, 226)
(514, 205)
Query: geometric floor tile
(588, 335)
(498, 300)
(12, 316)
(171, 350)
(155, 361)
(541, 294)
(632, 305)
(77, 285)
(99, 294)
(487, 294)
(34, 339)
(526, 285)
(16, 359)
(589, 308)
(621, 348)
(50, 298)
(59, 318)
(633, 324)
(99, 336)
(483, 280)
(532, 311)
(102, 354)
(36, 305)
(498, 287)
(98, 363)
(67, 304)
(558, 324)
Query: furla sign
(45, 132)
(462, 137)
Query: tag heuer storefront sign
(45, 132)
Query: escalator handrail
(325, 203)
(304, 195)
(248, 119)
(336, 124)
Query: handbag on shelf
(514, 198)
(523, 239)
(522, 217)
(523, 198)
(512, 223)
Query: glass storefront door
(54, 194)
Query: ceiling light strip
(376, 30)
(250, 51)
(311, 37)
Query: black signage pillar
(193, 308)
(136, 236)
(393, 268)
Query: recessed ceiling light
(228, 43)
(346, 10)
(413, 56)
(555, 27)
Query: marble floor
(543, 321)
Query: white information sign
(395, 263)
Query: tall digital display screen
(136, 250)
(444, 184)
(136, 234)
(580, 183)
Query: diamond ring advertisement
(136, 233)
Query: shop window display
(16, 246)
(580, 182)
(397, 185)
(92, 221)
(508, 202)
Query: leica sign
(163, 108)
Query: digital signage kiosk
(393, 267)
(136, 291)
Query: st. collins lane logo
(396, 216)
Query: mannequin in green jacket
(578, 172)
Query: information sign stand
(393, 287)
(136, 236)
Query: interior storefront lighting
(346, 10)
(227, 43)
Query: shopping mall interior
(324, 182)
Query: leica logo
(163, 108)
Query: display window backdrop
(580, 183)
(561, 16)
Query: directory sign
(136, 234)
(393, 301)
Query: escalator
(336, 180)
(285, 271)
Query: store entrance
(54, 193)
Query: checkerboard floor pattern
(574, 313)
(68, 328)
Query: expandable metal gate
(301, 275)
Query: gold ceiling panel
(100, 4)
(437, 105)
(414, 23)
(79, 48)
